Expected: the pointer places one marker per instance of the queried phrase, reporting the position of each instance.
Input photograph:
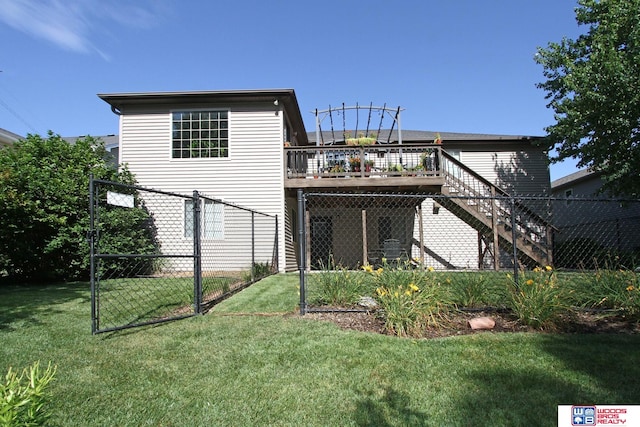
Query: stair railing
(490, 199)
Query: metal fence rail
(449, 232)
(159, 256)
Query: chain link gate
(158, 256)
(463, 233)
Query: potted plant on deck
(355, 164)
(362, 139)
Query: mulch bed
(457, 323)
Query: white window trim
(196, 110)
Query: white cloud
(71, 24)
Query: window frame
(183, 133)
(568, 195)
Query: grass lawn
(251, 361)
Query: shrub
(537, 301)
(44, 197)
(24, 396)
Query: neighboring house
(250, 148)
(589, 222)
(583, 183)
(111, 144)
(8, 138)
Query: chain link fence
(454, 233)
(159, 256)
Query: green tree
(593, 84)
(44, 192)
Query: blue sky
(453, 66)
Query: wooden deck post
(307, 230)
(421, 231)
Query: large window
(212, 219)
(200, 134)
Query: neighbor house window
(198, 134)
(212, 219)
(568, 194)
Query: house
(591, 225)
(7, 138)
(111, 145)
(583, 183)
(251, 148)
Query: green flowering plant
(613, 289)
(537, 302)
(24, 396)
(337, 286)
(410, 300)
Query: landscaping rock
(368, 303)
(479, 323)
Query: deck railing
(378, 160)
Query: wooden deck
(379, 167)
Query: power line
(15, 113)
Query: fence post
(365, 243)
(197, 256)
(514, 243)
(302, 251)
(92, 259)
(253, 245)
(277, 263)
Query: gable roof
(8, 138)
(286, 97)
(110, 141)
(574, 178)
(410, 136)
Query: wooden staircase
(499, 218)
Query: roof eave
(285, 96)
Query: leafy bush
(538, 301)
(24, 396)
(411, 300)
(44, 194)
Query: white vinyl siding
(518, 171)
(252, 175)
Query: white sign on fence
(119, 199)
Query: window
(212, 219)
(568, 194)
(200, 134)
